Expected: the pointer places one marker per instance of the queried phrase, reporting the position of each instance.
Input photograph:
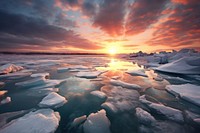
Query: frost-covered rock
(139, 72)
(53, 100)
(44, 75)
(99, 94)
(185, 65)
(188, 92)
(97, 123)
(119, 99)
(9, 68)
(40, 121)
(6, 100)
(124, 84)
(144, 117)
(92, 74)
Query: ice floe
(10, 68)
(188, 92)
(16, 75)
(144, 117)
(160, 109)
(44, 75)
(91, 74)
(193, 118)
(40, 121)
(99, 94)
(124, 84)
(32, 82)
(53, 100)
(3, 92)
(6, 100)
(97, 122)
(119, 99)
(185, 65)
(139, 72)
(75, 68)
(78, 121)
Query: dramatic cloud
(181, 28)
(143, 13)
(110, 17)
(30, 31)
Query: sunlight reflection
(116, 64)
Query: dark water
(80, 102)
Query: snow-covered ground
(103, 94)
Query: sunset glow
(109, 26)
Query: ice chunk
(97, 123)
(144, 117)
(119, 99)
(92, 74)
(124, 84)
(193, 117)
(40, 121)
(185, 65)
(44, 75)
(2, 84)
(39, 92)
(160, 109)
(77, 121)
(6, 100)
(99, 94)
(63, 69)
(32, 82)
(9, 68)
(2, 93)
(53, 100)
(16, 75)
(188, 92)
(139, 72)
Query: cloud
(21, 30)
(181, 28)
(110, 17)
(142, 14)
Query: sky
(99, 26)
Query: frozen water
(44, 75)
(40, 121)
(53, 100)
(124, 84)
(92, 74)
(139, 72)
(99, 94)
(32, 82)
(6, 100)
(97, 122)
(144, 117)
(10, 68)
(78, 121)
(188, 92)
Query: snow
(124, 84)
(188, 92)
(40, 121)
(185, 65)
(139, 72)
(99, 94)
(44, 75)
(97, 123)
(77, 121)
(6, 100)
(10, 68)
(53, 100)
(119, 99)
(92, 74)
(144, 117)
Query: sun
(112, 51)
